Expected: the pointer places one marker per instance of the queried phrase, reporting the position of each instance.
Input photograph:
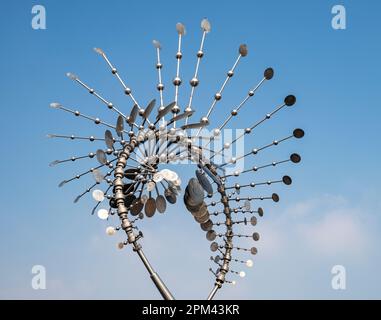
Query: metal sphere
(159, 65)
(179, 55)
(114, 71)
(230, 73)
(254, 151)
(175, 109)
(177, 81)
(91, 91)
(127, 91)
(234, 112)
(200, 54)
(194, 82)
(251, 93)
(217, 96)
(141, 112)
(160, 87)
(248, 130)
(110, 105)
(204, 120)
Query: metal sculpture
(143, 143)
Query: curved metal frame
(132, 239)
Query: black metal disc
(128, 200)
(254, 250)
(131, 173)
(287, 180)
(137, 206)
(295, 158)
(290, 100)
(269, 73)
(275, 197)
(112, 203)
(170, 196)
(260, 212)
(298, 133)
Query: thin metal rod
(213, 292)
(165, 293)
(218, 95)
(114, 71)
(199, 57)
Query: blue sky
(331, 214)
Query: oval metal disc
(260, 212)
(134, 112)
(119, 125)
(98, 176)
(109, 139)
(253, 250)
(130, 173)
(207, 226)
(161, 204)
(214, 246)
(171, 197)
(211, 235)
(149, 109)
(275, 197)
(256, 236)
(101, 156)
(204, 182)
(253, 221)
(150, 207)
(137, 207)
(128, 200)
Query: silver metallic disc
(150, 207)
(214, 246)
(207, 226)
(211, 235)
(204, 182)
(256, 236)
(253, 221)
(134, 112)
(119, 125)
(161, 204)
(101, 156)
(109, 139)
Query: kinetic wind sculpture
(135, 183)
